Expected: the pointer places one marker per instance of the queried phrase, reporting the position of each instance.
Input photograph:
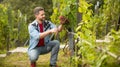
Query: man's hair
(37, 9)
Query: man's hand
(54, 30)
(63, 20)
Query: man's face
(41, 15)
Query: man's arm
(42, 35)
(54, 30)
(37, 35)
(60, 28)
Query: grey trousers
(52, 46)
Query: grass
(22, 60)
(2, 51)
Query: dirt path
(24, 49)
(21, 50)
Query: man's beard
(42, 19)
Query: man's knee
(33, 58)
(33, 55)
(57, 42)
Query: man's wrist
(49, 31)
(61, 25)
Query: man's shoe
(33, 64)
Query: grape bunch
(63, 20)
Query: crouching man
(40, 41)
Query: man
(40, 40)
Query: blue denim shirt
(34, 33)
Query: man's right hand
(54, 30)
(51, 31)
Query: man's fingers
(63, 20)
(54, 30)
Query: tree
(27, 6)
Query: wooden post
(79, 15)
(118, 24)
(7, 40)
(8, 30)
(79, 18)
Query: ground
(22, 60)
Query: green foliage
(12, 29)
(115, 44)
(114, 47)
(65, 8)
(4, 28)
(92, 26)
(108, 17)
(22, 32)
(27, 6)
(95, 24)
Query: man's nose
(43, 15)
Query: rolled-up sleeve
(33, 32)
